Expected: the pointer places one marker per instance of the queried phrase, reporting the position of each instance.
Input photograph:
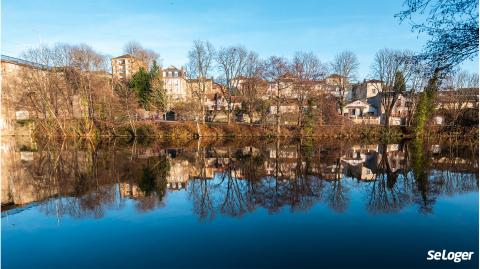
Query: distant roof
(5, 58)
(464, 91)
(357, 103)
(335, 76)
(171, 67)
(453, 95)
(100, 72)
(125, 56)
(196, 80)
(373, 81)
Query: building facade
(124, 66)
(175, 83)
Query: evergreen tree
(399, 84)
(308, 120)
(426, 104)
(158, 98)
(140, 84)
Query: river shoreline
(185, 132)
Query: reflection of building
(367, 161)
(282, 162)
(128, 190)
(179, 174)
(19, 186)
(331, 172)
(361, 161)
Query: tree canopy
(140, 84)
(452, 26)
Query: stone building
(13, 70)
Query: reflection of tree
(336, 196)
(386, 194)
(153, 182)
(419, 183)
(86, 180)
(234, 196)
(384, 198)
(242, 184)
(202, 200)
(200, 188)
(420, 166)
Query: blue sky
(169, 26)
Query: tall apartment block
(123, 67)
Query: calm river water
(273, 204)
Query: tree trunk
(387, 119)
(203, 110)
(277, 116)
(278, 125)
(198, 128)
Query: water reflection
(231, 179)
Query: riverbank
(177, 131)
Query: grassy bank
(185, 131)
(188, 130)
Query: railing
(365, 120)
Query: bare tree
(252, 87)
(66, 82)
(127, 105)
(459, 94)
(345, 64)
(87, 61)
(199, 69)
(135, 49)
(231, 64)
(307, 70)
(42, 93)
(277, 70)
(415, 83)
(386, 67)
(460, 79)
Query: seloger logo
(449, 256)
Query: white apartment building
(175, 83)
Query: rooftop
(5, 58)
(124, 56)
